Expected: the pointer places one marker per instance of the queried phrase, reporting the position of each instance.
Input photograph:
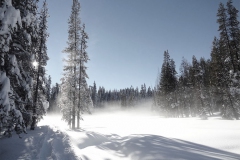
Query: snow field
(143, 135)
(127, 135)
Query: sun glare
(35, 63)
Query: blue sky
(127, 38)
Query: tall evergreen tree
(184, 87)
(234, 31)
(228, 46)
(8, 14)
(167, 85)
(70, 68)
(65, 100)
(94, 94)
(18, 53)
(224, 35)
(40, 92)
(48, 86)
(143, 91)
(74, 84)
(54, 98)
(84, 98)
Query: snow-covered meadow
(127, 135)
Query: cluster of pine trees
(100, 98)
(208, 85)
(74, 92)
(201, 87)
(23, 57)
(54, 98)
(128, 97)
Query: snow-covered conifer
(40, 80)
(94, 94)
(84, 98)
(15, 82)
(74, 84)
(167, 85)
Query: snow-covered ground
(127, 135)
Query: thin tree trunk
(37, 86)
(74, 72)
(233, 109)
(79, 96)
(35, 102)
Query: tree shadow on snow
(154, 147)
(22, 148)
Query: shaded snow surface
(45, 143)
(127, 135)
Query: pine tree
(8, 14)
(94, 94)
(18, 52)
(48, 86)
(99, 97)
(167, 85)
(65, 100)
(143, 91)
(149, 92)
(224, 35)
(137, 95)
(205, 88)
(84, 98)
(53, 102)
(123, 94)
(234, 32)
(156, 95)
(131, 97)
(74, 84)
(184, 88)
(198, 87)
(23, 49)
(69, 83)
(40, 92)
(228, 46)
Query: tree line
(101, 98)
(204, 86)
(126, 98)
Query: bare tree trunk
(36, 90)
(233, 109)
(79, 97)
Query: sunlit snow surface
(139, 135)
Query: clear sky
(127, 38)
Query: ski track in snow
(127, 137)
(44, 143)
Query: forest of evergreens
(200, 87)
